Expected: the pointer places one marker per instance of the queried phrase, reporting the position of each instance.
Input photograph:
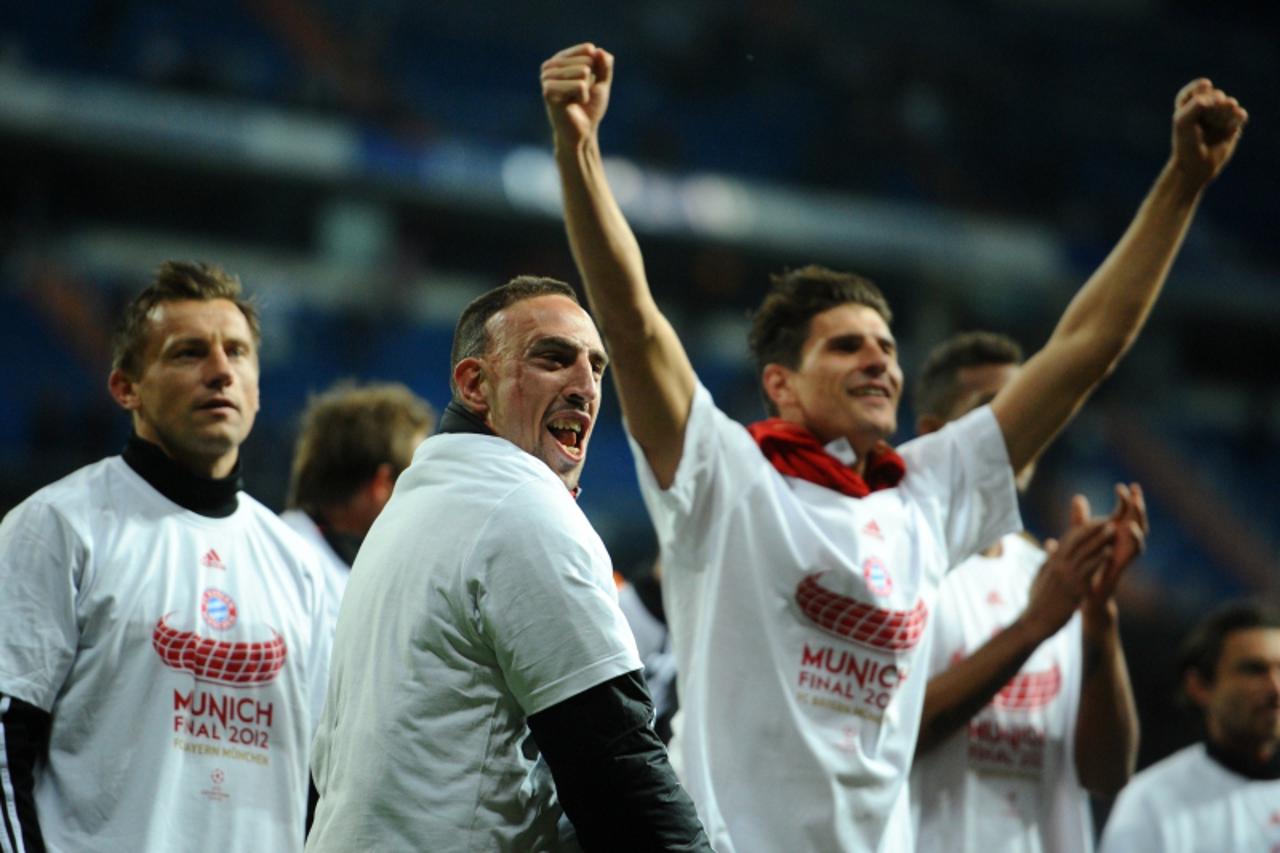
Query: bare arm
(953, 697)
(655, 379)
(1107, 313)
(1106, 741)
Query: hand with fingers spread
(575, 90)
(1064, 578)
(1207, 124)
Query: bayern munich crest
(218, 610)
(877, 576)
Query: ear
(926, 424)
(381, 484)
(469, 377)
(1196, 688)
(775, 379)
(124, 391)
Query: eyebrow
(848, 337)
(188, 340)
(554, 342)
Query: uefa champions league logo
(217, 608)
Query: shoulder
(490, 485)
(72, 501)
(473, 466)
(292, 545)
(976, 432)
(1022, 552)
(1183, 769)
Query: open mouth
(569, 434)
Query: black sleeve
(611, 771)
(24, 736)
(313, 800)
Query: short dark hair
(347, 433)
(1203, 646)
(938, 390)
(781, 325)
(471, 335)
(175, 281)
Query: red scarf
(796, 452)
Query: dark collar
(208, 497)
(458, 418)
(345, 545)
(1244, 765)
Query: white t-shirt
(336, 570)
(798, 617)
(1189, 803)
(481, 596)
(1007, 782)
(182, 659)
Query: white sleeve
(961, 478)
(546, 601)
(323, 609)
(42, 560)
(719, 464)
(1133, 825)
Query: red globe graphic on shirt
(845, 616)
(246, 663)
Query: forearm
(1100, 323)
(1106, 738)
(955, 696)
(611, 771)
(655, 379)
(1116, 299)
(603, 244)
(24, 737)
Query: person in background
(1028, 706)
(1222, 794)
(353, 443)
(164, 640)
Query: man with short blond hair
(163, 645)
(353, 443)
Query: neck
(1252, 759)
(212, 468)
(346, 519)
(862, 444)
(208, 496)
(458, 418)
(344, 541)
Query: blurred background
(368, 167)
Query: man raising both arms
(802, 558)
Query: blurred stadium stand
(368, 167)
